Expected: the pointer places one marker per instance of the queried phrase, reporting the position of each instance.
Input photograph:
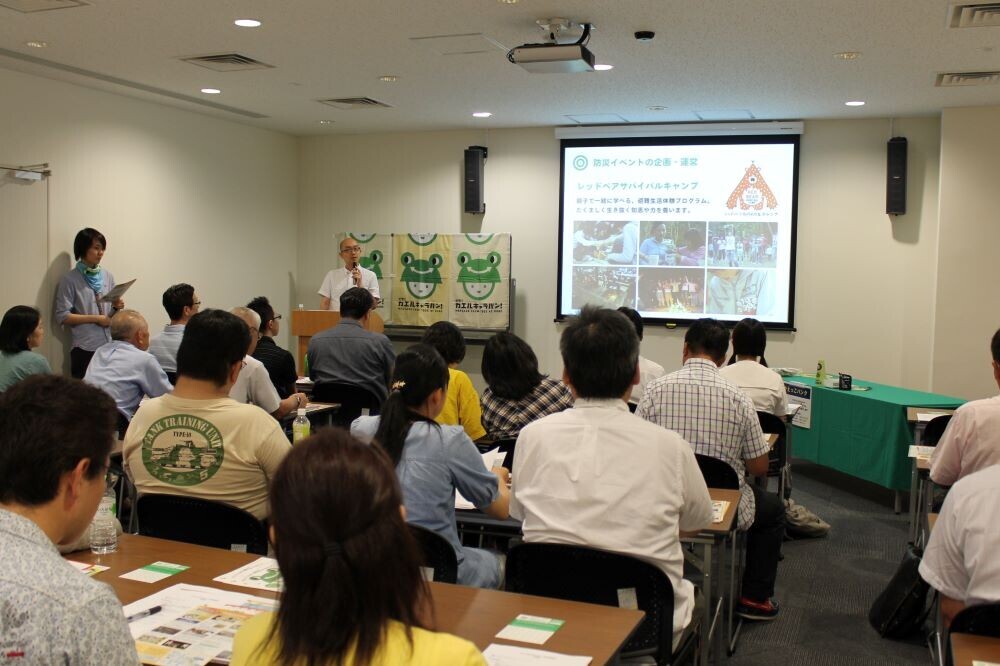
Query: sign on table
(801, 395)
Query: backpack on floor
(902, 608)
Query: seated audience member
(21, 331)
(583, 475)
(123, 368)
(748, 369)
(516, 393)
(55, 439)
(352, 593)
(197, 441)
(960, 560)
(648, 370)
(181, 303)
(254, 386)
(433, 460)
(461, 406)
(717, 419)
(280, 363)
(972, 439)
(348, 353)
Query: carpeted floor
(826, 586)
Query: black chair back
(981, 620)
(352, 400)
(934, 429)
(123, 422)
(172, 378)
(436, 553)
(773, 425)
(717, 473)
(507, 448)
(578, 573)
(200, 521)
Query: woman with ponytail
(353, 594)
(432, 460)
(748, 369)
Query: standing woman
(20, 332)
(78, 300)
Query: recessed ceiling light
(656, 108)
(211, 91)
(847, 55)
(388, 78)
(508, 2)
(482, 114)
(36, 44)
(603, 68)
(855, 103)
(326, 122)
(247, 23)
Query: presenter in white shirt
(351, 274)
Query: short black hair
(84, 239)
(633, 317)
(213, 341)
(356, 302)
(17, 326)
(263, 308)
(510, 366)
(49, 424)
(600, 350)
(708, 336)
(995, 346)
(176, 298)
(447, 339)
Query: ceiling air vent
(952, 79)
(29, 6)
(974, 15)
(354, 103)
(227, 62)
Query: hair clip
(398, 384)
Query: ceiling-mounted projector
(552, 57)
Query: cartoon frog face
(421, 276)
(361, 238)
(422, 239)
(479, 277)
(372, 262)
(479, 239)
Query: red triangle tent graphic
(752, 180)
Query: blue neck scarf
(93, 276)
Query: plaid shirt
(715, 417)
(503, 418)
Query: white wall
(181, 197)
(864, 281)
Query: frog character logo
(361, 238)
(479, 277)
(422, 239)
(421, 276)
(373, 263)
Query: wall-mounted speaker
(895, 176)
(475, 161)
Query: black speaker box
(475, 160)
(895, 176)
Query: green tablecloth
(863, 433)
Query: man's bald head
(252, 320)
(130, 326)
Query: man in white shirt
(648, 370)
(972, 439)
(181, 303)
(352, 274)
(596, 475)
(254, 385)
(960, 560)
(718, 420)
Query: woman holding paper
(78, 301)
(353, 593)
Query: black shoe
(756, 610)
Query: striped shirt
(715, 417)
(503, 418)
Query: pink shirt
(970, 443)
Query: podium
(307, 323)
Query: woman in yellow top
(461, 406)
(353, 594)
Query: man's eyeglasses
(352, 249)
(276, 317)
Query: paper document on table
(924, 452)
(117, 292)
(530, 629)
(89, 569)
(979, 662)
(513, 655)
(792, 408)
(491, 458)
(927, 417)
(194, 626)
(261, 574)
(719, 508)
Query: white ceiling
(731, 59)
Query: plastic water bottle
(300, 426)
(103, 531)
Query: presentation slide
(680, 229)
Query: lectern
(307, 323)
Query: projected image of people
(591, 241)
(672, 244)
(671, 290)
(734, 291)
(607, 287)
(738, 244)
(626, 243)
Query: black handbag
(902, 608)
